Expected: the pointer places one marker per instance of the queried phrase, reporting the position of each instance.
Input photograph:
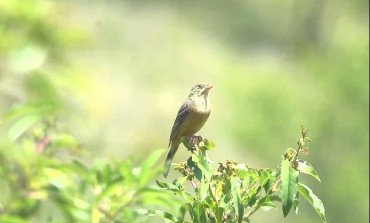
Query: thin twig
(300, 146)
(193, 184)
(106, 213)
(274, 187)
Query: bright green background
(121, 69)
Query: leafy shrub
(233, 192)
(35, 178)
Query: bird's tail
(171, 154)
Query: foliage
(233, 192)
(33, 176)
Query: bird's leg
(198, 139)
(191, 141)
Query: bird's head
(200, 89)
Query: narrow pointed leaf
(22, 125)
(289, 184)
(183, 209)
(296, 204)
(200, 212)
(167, 216)
(235, 192)
(313, 200)
(264, 177)
(194, 167)
(204, 166)
(306, 168)
(152, 159)
(220, 214)
(208, 144)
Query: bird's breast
(197, 117)
(194, 123)
(200, 105)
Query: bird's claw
(190, 142)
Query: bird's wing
(181, 115)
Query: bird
(190, 118)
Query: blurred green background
(116, 72)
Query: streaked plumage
(190, 118)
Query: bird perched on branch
(190, 118)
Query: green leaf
(242, 170)
(180, 181)
(18, 111)
(264, 177)
(167, 216)
(183, 209)
(149, 162)
(271, 182)
(204, 165)
(199, 212)
(65, 140)
(250, 176)
(289, 184)
(22, 125)
(79, 166)
(220, 214)
(148, 171)
(194, 167)
(12, 219)
(306, 168)
(235, 192)
(168, 186)
(194, 158)
(208, 144)
(251, 197)
(176, 189)
(313, 200)
(268, 205)
(267, 202)
(161, 184)
(213, 190)
(203, 190)
(154, 197)
(296, 204)
(267, 178)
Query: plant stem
(193, 184)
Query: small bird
(190, 118)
